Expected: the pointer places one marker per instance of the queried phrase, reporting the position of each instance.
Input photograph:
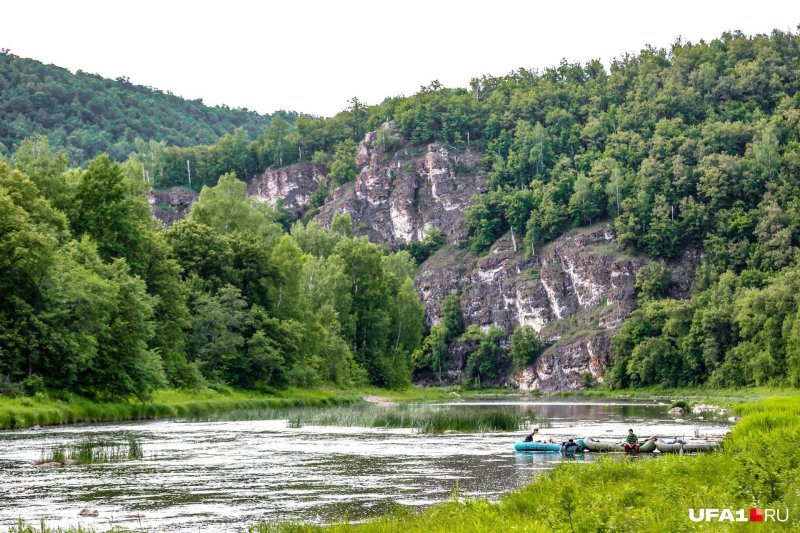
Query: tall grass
(173, 403)
(23, 527)
(26, 412)
(91, 451)
(422, 418)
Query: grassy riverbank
(26, 412)
(758, 466)
(43, 410)
(727, 398)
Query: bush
(587, 380)
(525, 346)
(686, 406)
(33, 385)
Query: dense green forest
(692, 148)
(87, 115)
(99, 299)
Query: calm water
(226, 475)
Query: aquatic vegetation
(422, 418)
(22, 527)
(91, 451)
(683, 404)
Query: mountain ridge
(88, 114)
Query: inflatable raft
(685, 445)
(522, 446)
(597, 445)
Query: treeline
(743, 329)
(87, 115)
(97, 298)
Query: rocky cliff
(292, 186)
(399, 195)
(575, 292)
(171, 205)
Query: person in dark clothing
(569, 446)
(530, 436)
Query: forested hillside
(692, 148)
(87, 114)
(99, 299)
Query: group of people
(568, 445)
(631, 441)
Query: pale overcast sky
(312, 56)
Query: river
(224, 475)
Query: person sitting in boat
(532, 435)
(631, 442)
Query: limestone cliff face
(171, 205)
(575, 292)
(399, 195)
(293, 186)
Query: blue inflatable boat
(549, 447)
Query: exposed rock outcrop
(578, 283)
(561, 367)
(293, 186)
(171, 205)
(397, 196)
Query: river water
(226, 475)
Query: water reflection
(225, 475)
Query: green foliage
(228, 209)
(430, 243)
(486, 222)
(196, 404)
(587, 380)
(92, 451)
(424, 418)
(120, 307)
(433, 354)
(587, 201)
(342, 225)
(525, 346)
(742, 330)
(652, 281)
(89, 115)
(488, 358)
(343, 165)
(683, 404)
(452, 316)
